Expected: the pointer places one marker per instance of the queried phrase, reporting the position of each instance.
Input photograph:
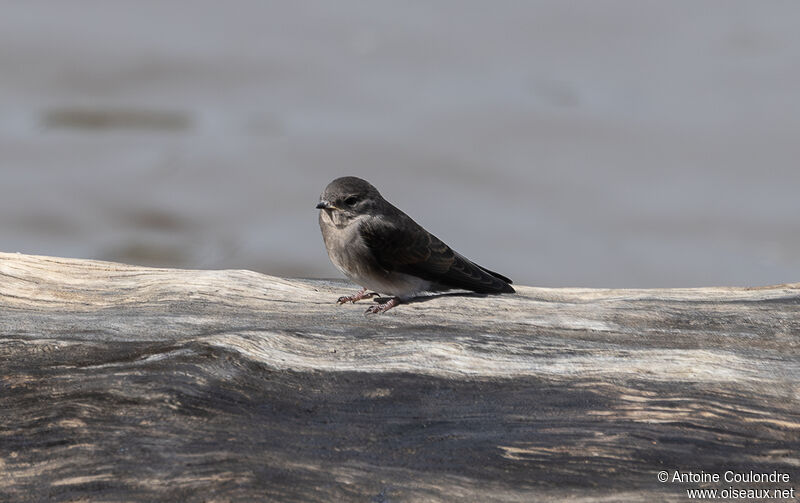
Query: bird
(385, 251)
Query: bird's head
(348, 198)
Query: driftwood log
(123, 383)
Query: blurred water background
(587, 143)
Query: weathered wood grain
(123, 383)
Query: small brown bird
(382, 249)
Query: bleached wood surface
(123, 383)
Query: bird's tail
(496, 275)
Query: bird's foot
(382, 308)
(361, 294)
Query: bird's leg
(382, 308)
(361, 294)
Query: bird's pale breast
(350, 254)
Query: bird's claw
(361, 294)
(382, 308)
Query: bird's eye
(350, 201)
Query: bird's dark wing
(404, 246)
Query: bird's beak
(325, 205)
